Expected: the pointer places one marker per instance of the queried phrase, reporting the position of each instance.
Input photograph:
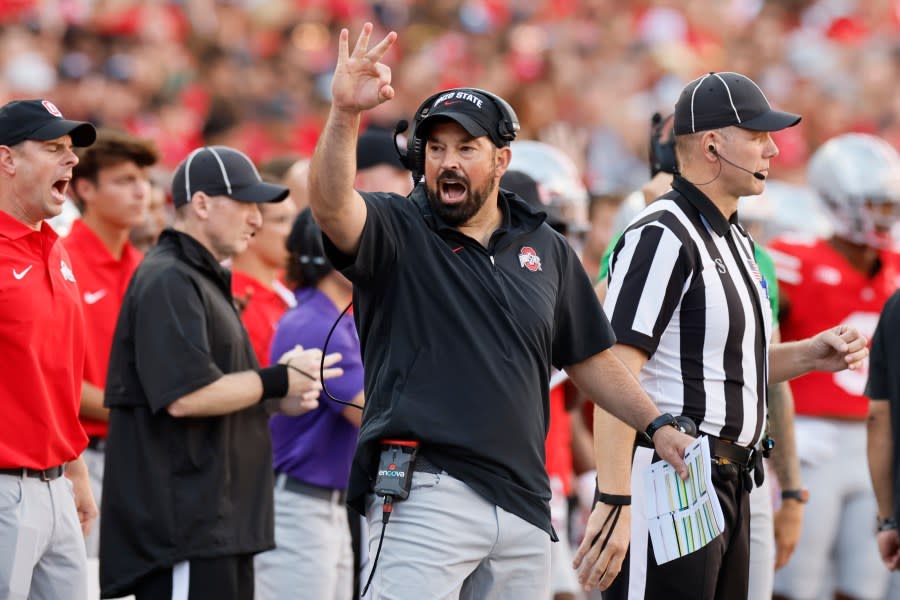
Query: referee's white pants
(446, 542)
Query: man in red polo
(42, 553)
(111, 188)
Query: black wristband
(274, 381)
(613, 499)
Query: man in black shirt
(883, 427)
(464, 298)
(188, 500)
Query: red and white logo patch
(529, 259)
(51, 108)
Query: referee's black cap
(40, 120)
(718, 100)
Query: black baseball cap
(718, 100)
(376, 147)
(477, 114)
(40, 120)
(222, 171)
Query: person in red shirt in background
(261, 296)
(111, 188)
(42, 551)
(845, 279)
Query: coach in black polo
(189, 458)
(689, 308)
(464, 298)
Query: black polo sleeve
(378, 246)
(581, 328)
(884, 382)
(172, 351)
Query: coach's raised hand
(361, 81)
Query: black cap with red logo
(40, 120)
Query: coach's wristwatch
(800, 495)
(887, 524)
(658, 423)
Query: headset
(413, 156)
(305, 241)
(662, 151)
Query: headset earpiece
(712, 148)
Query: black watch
(658, 423)
(800, 495)
(886, 524)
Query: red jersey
(558, 444)
(41, 349)
(102, 280)
(823, 290)
(262, 308)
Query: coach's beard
(452, 184)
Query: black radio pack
(395, 468)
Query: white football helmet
(857, 176)
(561, 188)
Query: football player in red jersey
(844, 279)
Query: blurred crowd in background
(583, 74)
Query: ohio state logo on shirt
(529, 259)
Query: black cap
(723, 99)
(40, 120)
(376, 147)
(526, 188)
(477, 114)
(222, 171)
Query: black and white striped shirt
(684, 288)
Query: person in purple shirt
(312, 453)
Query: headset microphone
(756, 174)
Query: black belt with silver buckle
(42, 474)
(721, 451)
(296, 486)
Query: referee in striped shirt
(690, 312)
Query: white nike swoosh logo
(18, 275)
(94, 297)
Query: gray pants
(94, 461)
(313, 557)
(42, 555)
(447, 542)
(762, 543)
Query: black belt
(722, 452)
(296, 486)
(423, 465)
(44, 475)
(97, 443)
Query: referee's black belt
(292, 484)
(723, 452)
(42, 474)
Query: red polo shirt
(102, 279)
(261, 312)
(41, 349)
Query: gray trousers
(447, 542)
(313, 557)
(94, 461)
(42, 555)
